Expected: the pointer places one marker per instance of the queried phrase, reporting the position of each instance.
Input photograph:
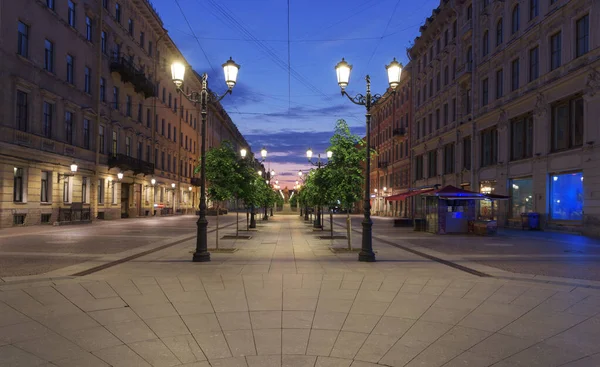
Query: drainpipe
(94, 199)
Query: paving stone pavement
(284, 299)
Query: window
(70, 76)
(156, 158)
(169, 130)
(446, 38)
(521, 137)
(470, 12)
(49, 56)
(489, 147)
(18, 186)
(130, 26)
(170, 100)
(582, 35)
(148, 119)
(437, 118)
(139, 112)
(468, 102)
(67, 189)
(438, 82)
(446, 77)
(22, 113)
(118, 12)
(445, 114)
(164, 93)
(140, 151)
(515, 74)
(555, 51)
(521, 196)
(86, 134)
(105, 4)
(47, 120)
(163, 127)
(499, 83)
(454, 28)
(175, 106)
(453, 69)
(534, 69)
(101, 139)
(147, 153)
(44, 189)
(128, 146)
(142, 40)
(85, 198)
(484, 92)
(115, 145)
(566, 196)
(499, 32)
(113, 193)
(88, 29)
(515, 20)
(448, 159)
(533, 9)
(101, 191)
(485, 44)
(87, 85)
(103, 42)
(69, 127)
(50, 4)
(71, 15)
(453, 109)
(419, 167)
(467, 153)
(128, 102)
(431, 87)
(432, 163)
(567, 124)
(430, 123)
(116, 98)
(149, 48)
(23, 39)
(175, 134)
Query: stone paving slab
(283, 299)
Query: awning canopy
(408, 194)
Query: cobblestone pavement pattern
(284, 299)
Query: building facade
(88, 83)
(522, 96)
(390, 168)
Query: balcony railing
(131, 74)
(382, 164)
(464, 71)
(127, 163)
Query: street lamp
(203, 97)
(243, 152)
(263, 153)
(153, 181)
(319, 164)
(120, 176)
(394, 72)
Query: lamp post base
(366, 254)
(200, 257)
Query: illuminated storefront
(566, 196)
(521, 192)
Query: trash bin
(534, 220)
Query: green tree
(294, 200)
(345, 170)
(223, 176)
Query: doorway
(124, 200)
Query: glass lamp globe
(177, 73)
(231, 69)
(342, 70)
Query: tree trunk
(348, 230)
(217, 241)
(331, 222)
(247, 219)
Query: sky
(289, 107)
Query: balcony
(130, 74)
(399, 133)
(126, 163)
(463, 73)
(382, 164)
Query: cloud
(302, 111)
(242, 94)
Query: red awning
(408, 194)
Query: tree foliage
(225, 181)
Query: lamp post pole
(394, 70)
(203, 97)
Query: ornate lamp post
(394, 71)
(319, 164)
(203, 97)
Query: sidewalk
(284, 299)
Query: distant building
(507, 99)
(88, 83)
(390, 131)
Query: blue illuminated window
(566, 196)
